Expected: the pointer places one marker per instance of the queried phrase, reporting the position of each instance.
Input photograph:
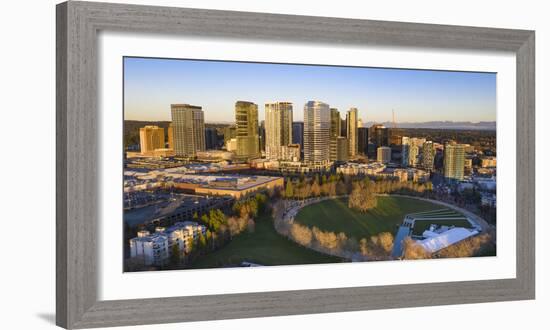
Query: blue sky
(151, 85)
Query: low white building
(438, 239)
(365, 169)
(153, 248)
(156, 248)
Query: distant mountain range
(465, 125)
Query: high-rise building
(411, 150)
(428, 155)
(379, 135)
(414, 152)
(188, 127)
(298, 133)
(229, 132)
(342, 149)
(383, 155)
(246, 119)
(170, 136)
(362, 140)
(351, 122)
(278, 128)
(261, 135)
(335, 131)
(316, 133)
(151, 138)
(211, 138)
(359, 123)
(405, 144)
(343, 127)
(454, 161)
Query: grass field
(264, 246)
(335, 215)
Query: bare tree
(412, 250)
(301, 234)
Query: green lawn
(335, 215)
(264, 246)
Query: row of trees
(478, 245)
(338, 185)
(376, 247)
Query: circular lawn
(334, 215)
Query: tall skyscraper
(246, 119)
(342, 149)
(298, 133)
(454, 161)
(362, 140)
(343, 127)
(379, 135)
(211, 138)
(335, 131)
(278, 128)
(411, 150)
(261, 135)
(151, 138)
(188, 128)
(428, 155)
(351, 121)
(405, 147)
(170, 136)
(316, 133)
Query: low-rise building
(419, 175)
(215, 155)
(239, 186)
(361, 169)
(290, 152)
(402, 174)
(231, 145)
(155, 249)
(489, 162)
(152, 248)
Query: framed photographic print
(314, 164)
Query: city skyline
(151, 85)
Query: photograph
(250, 164)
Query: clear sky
(151, 85)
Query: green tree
(175, 256)
(209, 239)
(202, 242)
(289, 191)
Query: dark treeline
(481, 138)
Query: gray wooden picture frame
(78, 24)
